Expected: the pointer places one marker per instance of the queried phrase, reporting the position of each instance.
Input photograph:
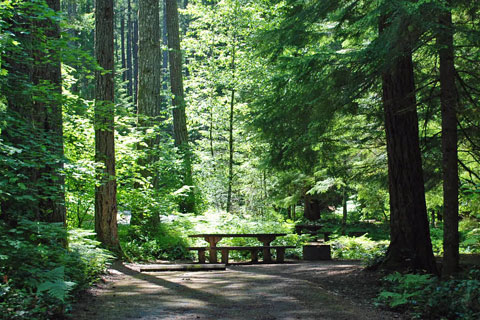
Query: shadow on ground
(263, 292)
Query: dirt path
(261, 292)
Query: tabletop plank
(236, 235)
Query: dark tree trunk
(230, 132)
(106, 190)
(230, 152)
(178, 101)
(129, 71)
(312, 208)
(165, 43)
(410, 246)
(345, 211)
(135, 60)
(122, 44)
(449, 146)
(210, 135)
(49, 113)
(34, 70)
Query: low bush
(427, 297)
(39, 275)
(147, 242)
(357, 248)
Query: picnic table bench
(214, 238)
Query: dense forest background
(143, 121)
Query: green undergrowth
(427, 297)
(469, 230)
(169, 240)
(38, 275)
(216, 221)
(153, 242)
(357, 248)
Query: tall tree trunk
(135, 60)
(149, 67)
(410, 245)
(178, 101)
(165, 43)
(312, 208)
(106, 189)
(36, 124)
(345, 211)
(230, 152)
(149, 83)
(449, 98)
(50, 111)
(122, 44)
(230, 133)
(210, 135)
(129, 71)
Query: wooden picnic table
(214, 238)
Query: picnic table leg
(267, 257)
(225, 256)
(280, 254)
(213, 240)
(201, 255)
(326, 236)
(254, 253)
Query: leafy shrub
(148, 243)
(39, 276)
(361, 248)
(470, 235)
(427, 297)
(436, 235)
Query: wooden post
(254, 253)
(280, 254)
(213, 240)
(225, 256)
(266, 240)
(201, 255)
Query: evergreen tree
(106, 188)
(34, 114)
(449, 100)
(180, 132)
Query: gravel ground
(299, 290)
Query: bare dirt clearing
(301, 290)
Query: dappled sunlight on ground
(277, 291)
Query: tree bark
(129, 72)
(135, 60)
(35, 124)
(230, 152)
(49, 113)
(122, 44)
(449, 100)
(410, 246)
(178, 101)
(149, 84)
(312, 208)
(345, 211)
(149, 67)
(106, 188)
(230, 132)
